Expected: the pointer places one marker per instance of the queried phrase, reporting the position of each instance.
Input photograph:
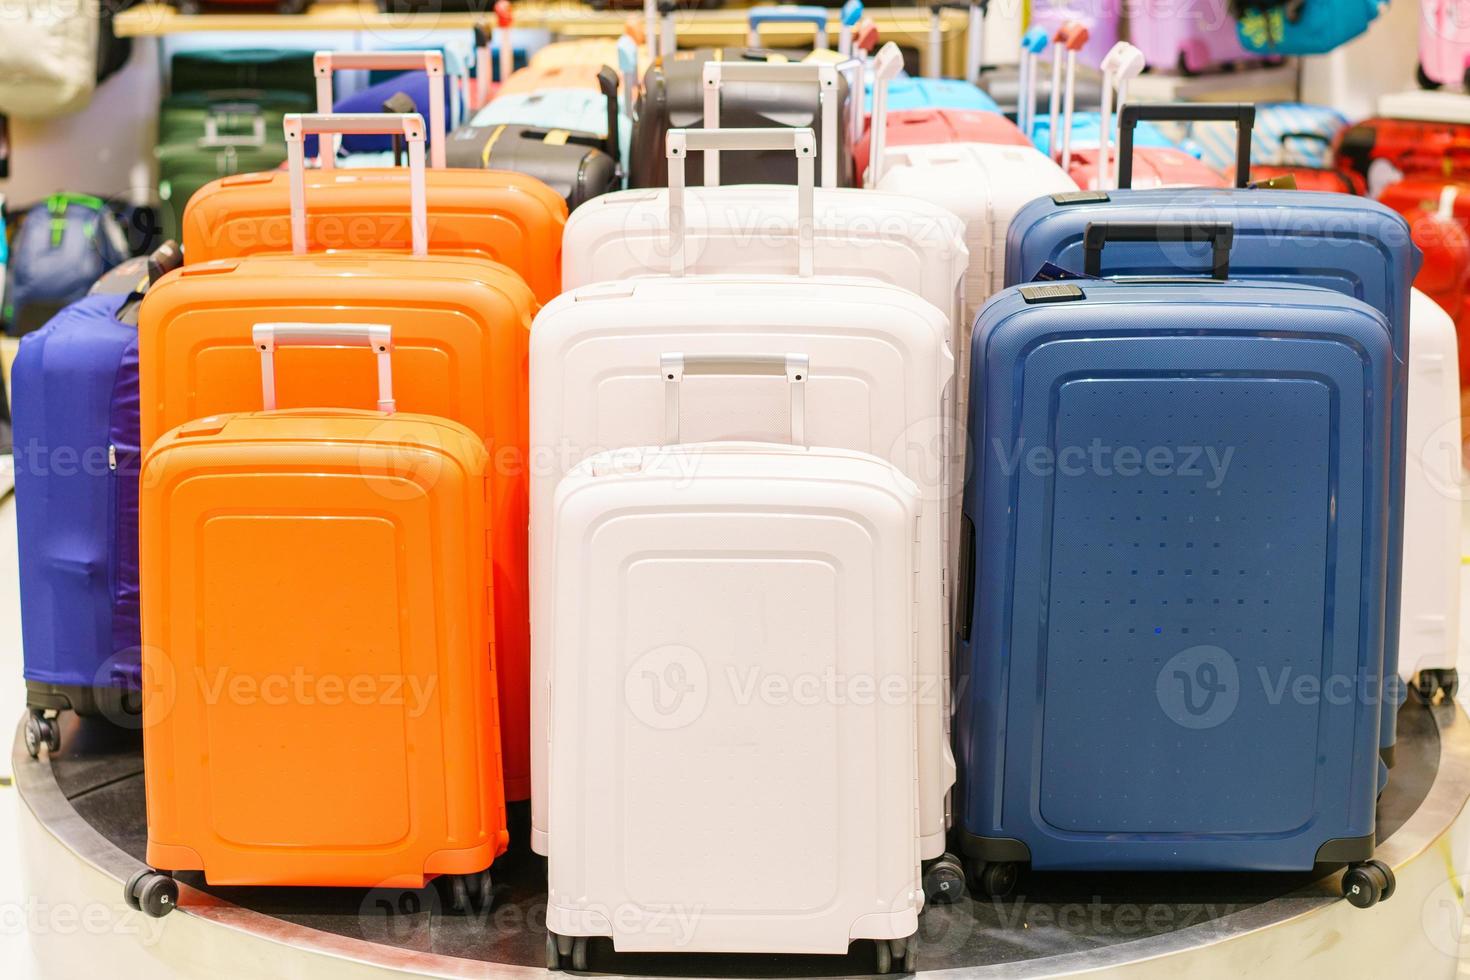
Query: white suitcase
(733, 751)
(1429, 619)
(750, 228)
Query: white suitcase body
(702, 799)
(880, 373)
(1429, 620)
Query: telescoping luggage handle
(430, 62)
(484, 50)
(886, 65)
(1242, 114)
(1123, 63)
(784, 13)
(1220, 235)
(1033, 42)
(376, 336)
(410, 125)
(716, 73)
(674, 366)
(974, 36)
(800, 141)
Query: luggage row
(431, 496)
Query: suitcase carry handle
(213, 140)
(886, 65)
(430, 62)
(1220, 235)
(1303, 137)
(758, 17)
(795, 367)
(411, 126)
(800, 141)
(716, 73)
(607, 81)
(1242, 114)
(377, 336)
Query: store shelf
(1267, 84)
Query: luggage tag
(1051, 272)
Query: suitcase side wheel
(41, 730)
(1429, 684)
(894, 955)
(1366, 884)
(553, 955)
(151, 892)
(944, 880)
(993, 879)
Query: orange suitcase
(539, 78)
(462, 330)
(494, 214)
(321, 707)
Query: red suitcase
(1379, 152)
(924, 127)
(1438, 212)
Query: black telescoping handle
(607, 81)
(1220, 235)
(164, 259)
(1241, 113)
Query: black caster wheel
(579, 954)
(1367, 884)
(41, 730)
(993, 879)
(944, 880)
(553, 955)
(1449, 682)
(896, 955)
(152, 893)
(1388, 875)
(909, 962)
(883, 957)
(459, 894)
(33, 735)
(1425, 82)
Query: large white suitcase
(1429, 618)
(751, 228)
(733, 751)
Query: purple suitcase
(1198, 36)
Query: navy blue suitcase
(75, 409)
(1174, 526)
(1350, 244)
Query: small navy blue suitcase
(1338, 241)
(1174, 553)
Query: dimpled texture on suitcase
(461, 330)
(75, 385)
(322, 573)
(1133, 620)
(509, 218)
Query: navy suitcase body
(75, 405)
(1350, 244)
(1175, 511)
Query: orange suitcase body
(494, 214)
(538, 78)
(321, 707)
(461, 330)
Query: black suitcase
(578, 166)
(673, 98)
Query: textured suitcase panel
(572, 164)
(1142, 621)
(795, 829)
(316, 597)
(508, 218)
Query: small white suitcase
(749, 228)
(1429, 618)
(733, 751)
(879, 382)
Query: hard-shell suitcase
(795, 829)
(287, 557)
(462, 328)
(1444, 42)
(228, 112)
(62, 246)
(573, 110)
(1177, 503)
(676, 95)
(1273, 235)
(1429, 623)
(1149, 166)
(880, 372)
(548, 78)
(234, 68)
(1198, 37)
(938, 127)
(509, 218)
(1438, 213)
(1284, 133)
(1379, 151)
(1098, 18)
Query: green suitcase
(187, 165)
(228, 112)
(266, 68)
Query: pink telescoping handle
(377, 336)
(430, 62)
(411, 125)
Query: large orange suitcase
(462, 330)
(494, 214)
(321, 704)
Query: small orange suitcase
(539, 78)
(321, 708)
(462, 330)
(494, 214)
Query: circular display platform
(87, 834)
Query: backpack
(53, 53)
(63, 246)
(1273, 27)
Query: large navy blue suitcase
(1173, 566)
(75, 406)
(1350, 244)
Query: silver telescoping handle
(376, 336)
(430, 62)
(674, 366)
(410, 125)
(886, 64)
(716, 73)
(802, 142)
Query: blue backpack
(1303, 26)
(63, 246)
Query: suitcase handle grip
(1242, 114)
(1220, 235)
(800, 141)
(795, 367)
(886, 65)
(716, 73)
(410, 125)
(430, 62)
(377, 336)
